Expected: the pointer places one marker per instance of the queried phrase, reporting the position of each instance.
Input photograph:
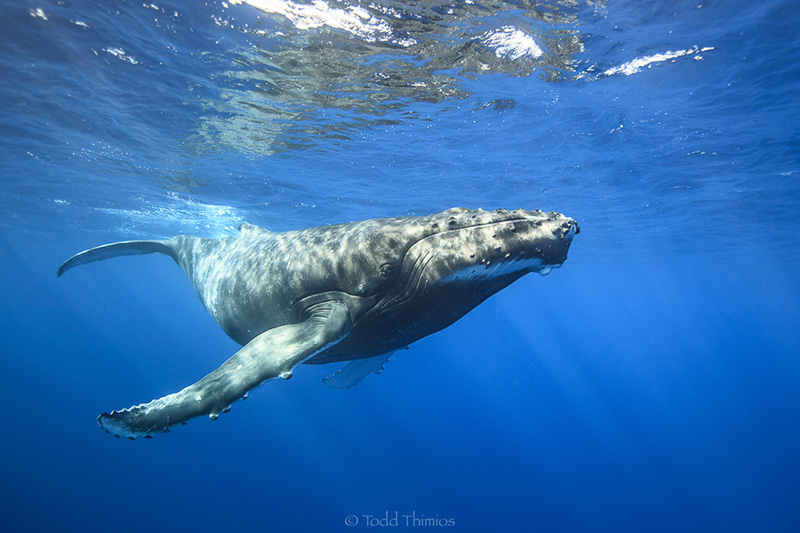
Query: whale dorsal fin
(246, 226)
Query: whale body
(349, 292)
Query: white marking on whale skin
(494, 269)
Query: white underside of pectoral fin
(354, 371)
(272, 354)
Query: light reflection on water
(309, 63)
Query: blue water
(651, 384)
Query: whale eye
(387, 270)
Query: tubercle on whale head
(480, 244)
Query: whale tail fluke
(117, 249)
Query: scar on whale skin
(350, 293)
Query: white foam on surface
(121, 54)
(510, 43)
(352, 19)
(38, 13)
(636, 65)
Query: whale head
(469, 246)
(439, 267)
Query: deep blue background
(652, 383)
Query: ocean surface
(650, 384)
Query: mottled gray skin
(336, 293)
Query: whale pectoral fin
(270, 355)
(353, 372)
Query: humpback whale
(350, 292)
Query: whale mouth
(497, 269)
